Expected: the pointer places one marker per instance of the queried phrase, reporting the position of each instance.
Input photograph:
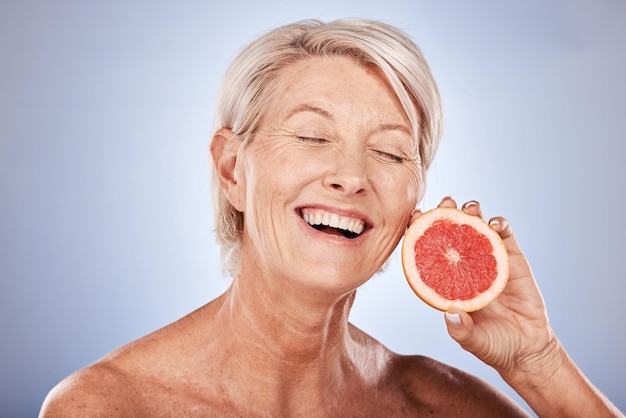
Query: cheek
(415, 188)
(414, 185)
(283, 165)
(261, 194)
(401, 188)
(272, 172)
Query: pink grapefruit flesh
(453, 260)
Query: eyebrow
(394, 127)
(310, 108)
(305, 107)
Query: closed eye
(312, 140)
(390, 157)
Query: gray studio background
(105, 215)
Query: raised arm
(513, 335)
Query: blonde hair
(248, 86)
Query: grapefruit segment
(453, 260)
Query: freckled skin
(344, 172)
(278, 341)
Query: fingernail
(494, 222)
(470, 203)
(453, 319)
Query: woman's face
(328, 181)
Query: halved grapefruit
(453, 260)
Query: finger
(473, 208)
(519, 267)
(414, 215)
(503, 227)
(460, 327)
(447, 202)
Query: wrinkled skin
(513, 335)
(278, 341)
(514, 328)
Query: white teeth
(320, 217)
(326, 219)
(343, 222)
(355, 226)
(333, 219)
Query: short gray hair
(248, 85)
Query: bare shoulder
(413, 385)
(97, 390)
(449, 390)
(140, 378)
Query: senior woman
(324, 134)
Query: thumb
(460, 326)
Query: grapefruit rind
(426, 293)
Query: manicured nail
(470, 204)
(454, 319)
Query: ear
(224, 148)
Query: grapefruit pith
(453, 260)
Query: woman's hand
(512, 333)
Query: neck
(296, 348)
(289, 327)
(290, 342)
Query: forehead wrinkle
(327, 115)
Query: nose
(348, 176)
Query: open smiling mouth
(334, 224)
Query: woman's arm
(513, 335)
